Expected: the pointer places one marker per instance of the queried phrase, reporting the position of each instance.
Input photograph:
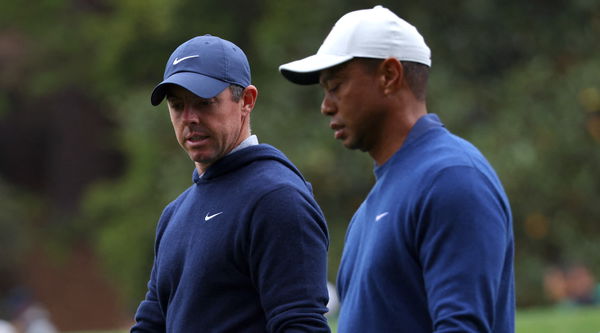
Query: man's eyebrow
(327, 76)
(332, 73)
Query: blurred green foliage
(558, 320)
(17, 208)
(521, 80)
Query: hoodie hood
(243, 157)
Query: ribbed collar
(422, 126)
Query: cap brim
(200, 85)
(306, 71)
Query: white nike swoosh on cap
(177, 60)
(208, 217)
(380, 216)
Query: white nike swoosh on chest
(208, 217)
(380, 216)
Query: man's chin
(349, 144)
(353, 145)
(203, 159)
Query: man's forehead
(332, 72)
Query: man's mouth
(338, 130)
(196, 138)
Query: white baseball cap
(369, 33)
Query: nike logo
(177, 60)
(208, 217)
(380, 216)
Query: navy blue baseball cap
(204, 65)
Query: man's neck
(393, 132)
(250, 140)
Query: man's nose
(327, 106)
(190, 114)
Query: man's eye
(174, 104)
(333, 87)
(204, 102)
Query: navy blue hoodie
(242, 250)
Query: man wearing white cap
(244, 248)
(431, 247)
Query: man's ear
(248, 99)
(391, 73)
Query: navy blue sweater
(431, 247)
(242, 250)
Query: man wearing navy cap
(244, 248)
(431, 247)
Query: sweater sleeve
(288, 243)
(149, 316)
(463, 236)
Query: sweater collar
(252, 140)
(422, 126)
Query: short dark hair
(415, 74)
(236, 92)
